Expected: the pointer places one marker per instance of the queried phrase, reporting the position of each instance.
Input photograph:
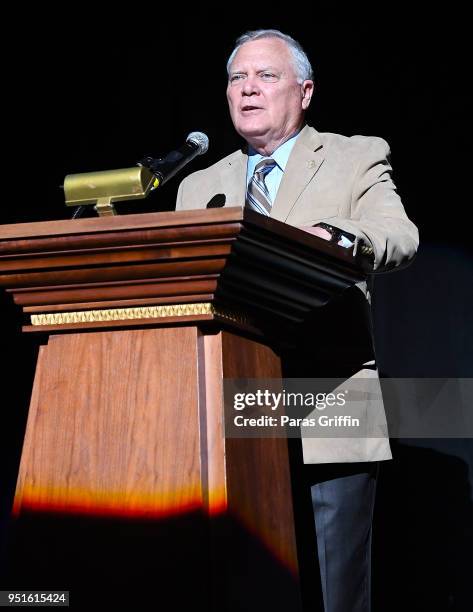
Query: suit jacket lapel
(233, 179)
(305, 159)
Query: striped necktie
(257, 196)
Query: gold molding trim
(141, 312)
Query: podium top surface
(120, 222)
(228, 257)
(172, 219)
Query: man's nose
(250, 86)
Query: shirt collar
(280, 155)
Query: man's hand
(321, 232)
(317, 231)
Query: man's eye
(236, 77)
(268, 76)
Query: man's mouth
(248, 108)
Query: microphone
(217, 201)
(197, 143)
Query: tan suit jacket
(345, 181)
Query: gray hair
(302, 65)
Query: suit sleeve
(377, 214)
(180, 196)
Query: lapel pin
(311, 164)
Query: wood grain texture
(258, 476)
(211, 421)
(109, 430)
(78, 275)
(113, 292)
(110, 256)
(121, 223)
(185, 299)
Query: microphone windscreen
(201, 140)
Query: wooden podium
(128, 490)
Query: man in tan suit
(301, 177)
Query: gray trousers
(343, 501)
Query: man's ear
(307, 88)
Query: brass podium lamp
(106, 187)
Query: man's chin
(253, 133)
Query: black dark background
(83, 94)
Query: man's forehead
(265, 52)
